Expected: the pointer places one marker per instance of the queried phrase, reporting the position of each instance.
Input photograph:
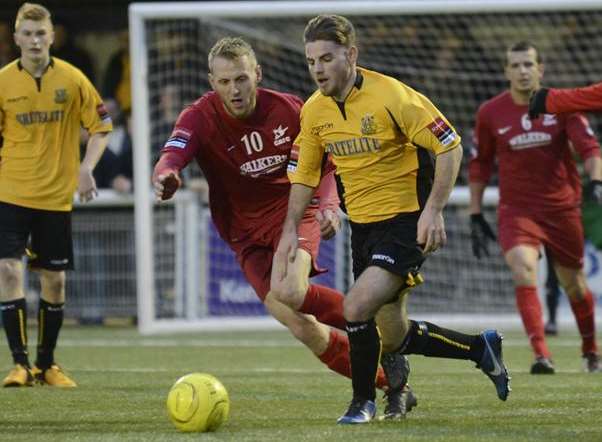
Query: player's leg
(393, 249)
(330, 347)
(374, 287)
(552, 297)
(522, 260)
(399, 397)
(325, 303)
(566, 245)
(431, 340)
(520, 237)
(14, 232)
(52, 254)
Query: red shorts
(255, 255)
(561, 233)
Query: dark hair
(335, 28)
(523, 46)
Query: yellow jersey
(380, 138)
(40, 121)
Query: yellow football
(198, 402)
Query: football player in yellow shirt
(383, 137)
(44, 102)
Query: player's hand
(329, 223)
(537, 103)
(86, 187)
(594, 191)
(431, 230)
(480, 235)
(285, 254)
(165, 185)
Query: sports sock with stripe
(14, 318)
(50, 320)
(425, 338)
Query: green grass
(279, 392)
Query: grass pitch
(280, 392)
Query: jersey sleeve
(582, 136)
(94, 115)
(305, 163)
(482, 158)
(422, 122)
(184, 141)
(573, 100)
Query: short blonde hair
(231, 48)
(32, 11)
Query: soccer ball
(198, 402)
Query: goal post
(449, 50)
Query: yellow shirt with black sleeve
(40, 122)
(379, 138)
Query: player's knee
(354, 311)
(290, 294)
(576, 288)
(10, 273)
(523, 273)
(53, 286)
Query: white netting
(453, 58)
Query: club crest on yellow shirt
(60, 96)
(368, 125)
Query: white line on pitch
(242, 343)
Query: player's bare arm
(87, 185)
(299, 199)
(431, 227)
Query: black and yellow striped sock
(14, 318)
(425, 338)
(364, 352)
(50, 321)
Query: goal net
(452, 51)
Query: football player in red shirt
(241, 136)
(540, 196)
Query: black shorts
(51, 243)
(389, 244)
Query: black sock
(50, 320)
(14, 318)
(428, 339)
(364, 352)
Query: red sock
(583, 310)
(336, 357)
(529, 307)
(325, 304)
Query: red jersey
(571, 100)
(536, 168)
(243, 160)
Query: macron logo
(386, 258)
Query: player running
(382, 136)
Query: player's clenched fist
(165, 184)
